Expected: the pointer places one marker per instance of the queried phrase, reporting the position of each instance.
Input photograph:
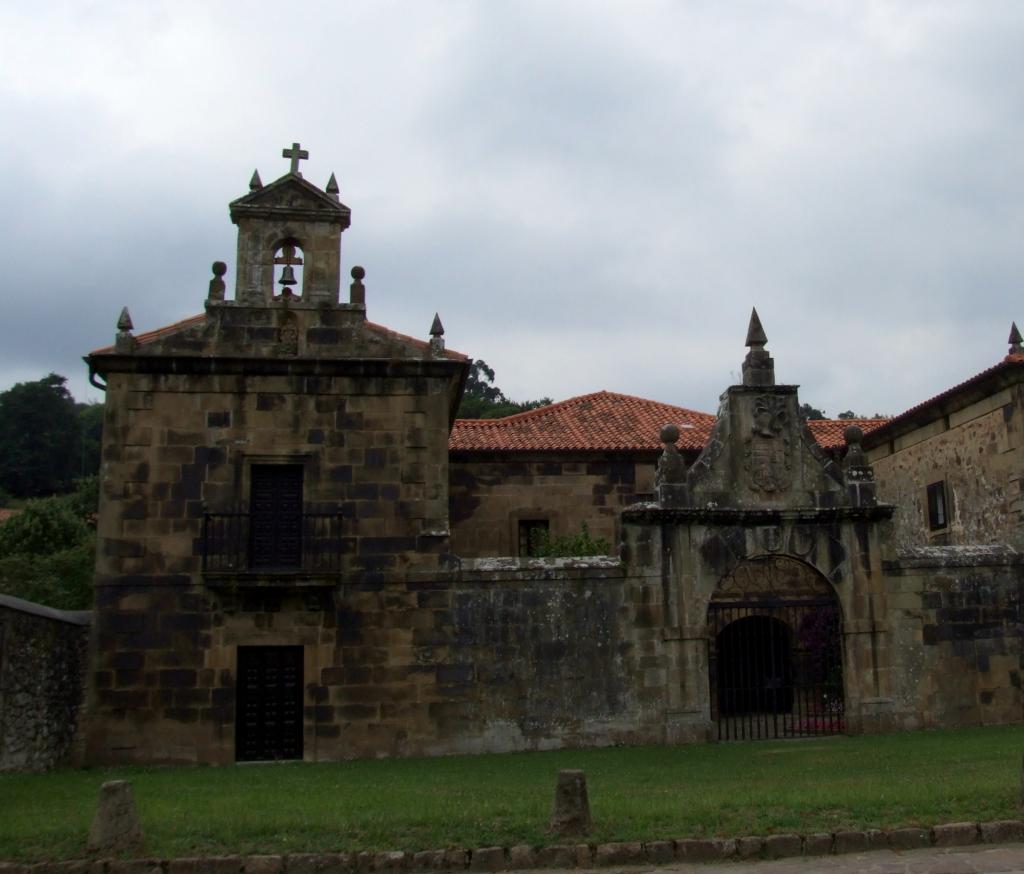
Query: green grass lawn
(637, 793)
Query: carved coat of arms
(767, 457)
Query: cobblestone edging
(522, 857)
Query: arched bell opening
(775, 652)
(288, 269)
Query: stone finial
(437, 337)
(357, 291)
(1015, 340)
(124, 321)
(756, 337)
(854, 454)
(858, 473)
(115, 827)
(124, 341)
(217, 283)
(758, 367)
(296, 153)
(255, 183)
(671, 469)
(332, 188)
(571, 812)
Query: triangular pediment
(291, 196)
(760, 453)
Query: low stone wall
(559, 856)
(42, 665)
(956, 621)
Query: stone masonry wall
(955, 616)
(488, 498)
(42, 670)
(372, 449)
(977, 452)
(497, 657)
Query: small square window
(938, 514)
(533, 535)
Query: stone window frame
(529, 514)
(937, 506)
(249, 460)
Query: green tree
(39, 438)
(806, 411)
(48, 549)
(482, 399)
(90, 431)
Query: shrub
(47, 552)
(580, 544)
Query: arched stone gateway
(775, 652)
(771, 556)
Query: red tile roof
(904, 421)
(195, 321)
(156, 334)
(829, 432)
(608, 422)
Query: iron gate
(776, 668)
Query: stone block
(556, 856)
(390, 861)
(584, 855)
(133, 866)
(310, 863)
(262, 865)
(612, 855)
(955, 834)
(749, 847)
(910, 838)
(660, 852)
(818, 844)
(877, 839)
(704, 849)
(571, 812)
(73, 866)
(456, 859)
(1004, 831)
(115, 827)
(522, 857)
(782, 846)
(851, 842)
(428, 860)
(487, 859)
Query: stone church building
(281, 571)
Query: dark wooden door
(269, 707)
(275, 527)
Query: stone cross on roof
(296, 154)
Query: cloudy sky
(592, 194)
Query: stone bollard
(571, 813)
(115, 828)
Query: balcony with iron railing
(242, 549)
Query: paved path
(983, 859)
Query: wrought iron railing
(229, 546)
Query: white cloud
(592, 194)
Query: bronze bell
(287, 276)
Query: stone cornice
(195, 365)
(652, 514)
